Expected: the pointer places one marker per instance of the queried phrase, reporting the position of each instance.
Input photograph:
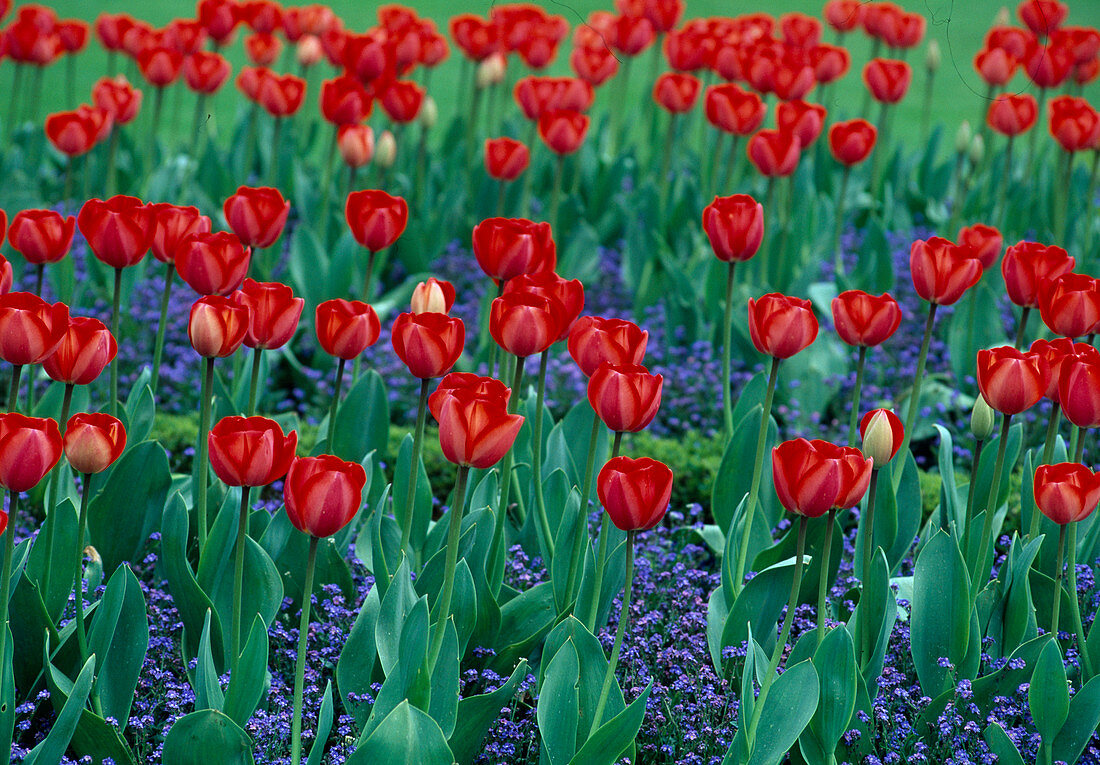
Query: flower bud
(385, 150)
(981, 419)
(490, 71)
(932, 56)
(429, 113)
(1003, 17)
(977, 149)
(93, 442)
(433, 296)
(309, 50)
(882, 433)
(962, 137)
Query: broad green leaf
(324, 727)
(207, 736)
(477, 713)
(52, 748)
(407, 736)
(129, 508)
(248, 681)
(612, 738)
(1048, 693)
(1001, 745)
(1082, 723)
(940, 623)
(787, 711)
(355, 668)
(208, 691)
(119, 637)
(558, 706)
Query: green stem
(326, 187)
(276, 140)
(868, 547)
(624, 618)
(757, 470)
(712, 170)
(114, 331)
(454, 529)
(1034, 137)
(1021, 328)
(5, 577)
(784, 633)
(882, 147)
(731, 162)
(421, 163)
(985, 558)
(529, 173)
(1094, 175)
(238, 574)
(615, 131)
(853, 420)
(204, 447)
(601, 556)
(162, 326)
(494, 350)
(254, 381)
(727, 342)
(970, 494)
(838, 228)
(823, 583)
(13, 391)
(16, 92)
(1078, 627)
(196, 125)
(555, 191)
(582, 535)
(368, 279)
(414, 465)
(664, 183)
(926, 109)
(67, 193)
(1048, 452)
(300, 663)
(341, 364)
(158, 103)
(250, 140)
(66, 405)
(1001, 207)
(500, 198)
(1056, 606)
(39, 278)
(509, 458)
(914, 397)
(536, 461)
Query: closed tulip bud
(887, 80)
(942, 270)
(491, 71)
(962, 138)
(625, 396)
(256, 215)
(429, 113)
(735, 227)
(508, 247)
(813, 477)
(505, 158)
(217, 326)
(323, 494)
(1066, 492)
(982, 419)
(774, 153)
(376, 219)
(852, 142)
(562, 130)
(977, 149)
(85, 350)
(882, 433)
(41, 236)
(433, 296)
(250, 451)
(30, 328)
(346, 328)
(1012, 381)
(356, 144)
(93, 442)
(865, 320)
(634, 492)
(568, 294)
(932, 56)
(985, 241)
(803, 119)
(475, 429)
(1026, 265)
(781, 326)
(595, 341)
(1003, 17)
(385, 150)
(428, 343)
(308, 51)
(173, 225)
(212, 263)
(29, 448)
(483, 387)
(273, 313)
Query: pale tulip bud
(385, 150)
(962, 138)
(882, 434)
(982, 419)
(977, 149)
(932, 56)
(1003, 18)
(309, 50)
(491, 71)
(429, 113)
(356, 144)
(433, 296)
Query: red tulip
(843, 15)
(1042, 17)
(428, 343)
(781, 326)
(595, 341)
(402, 100)
(30, 328)
(1079, 387)
(508, 247)
(323, 494)
(1026, 265)
(217, 326)
(212, 263)
(250, 451)
(281, 95)
(1074, 124)
(865, 320)
(793, 77)
(41, 236)
(273, 313)
(1056, 352)
(261, 16)
(634, 492)
(93, 442)
(1070, 304)
(205, 71)
(262, 48)
(185, 35)
(7, 276)
(433, 296)
(375, 218)
(484, 387)
(505, 158)
(625, 397)
(676, 92)
(29, 448)
(1066, 492)
(118, 98)
(75, 132)
(346, 328)
(344, 101)
(525, 324)
(256, 215)
(475, 428)
(172, 225)
(942, 270)
(356, 144)
(475, 37)
(887, 80)
(800, 30)
(630, 35)
(996, 66)
(1012, 381)
(774, 153)
(803, 119)
(882, 433)
(813, 477)
(852, 142)
(569, 293)
(539, 95)
(563, 131)
(830, 63)
(85, 350)
(985, 241)
(110, 29)
(119, 230)
(735, 227)
(594, 65)
(735, 110)
(160, 65)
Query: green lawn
(957, 25)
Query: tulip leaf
(878, 606)
(524, 620)
(1081, 724)
(967, 333)
(355, 667)
(119, 637)
(63, 519)
(579, 421)
(422, 503)
(248, 681)
(397, 604)
(477, 713)
(363, 421)
(787, 711)
(443, 706)
(558, 710)
(949, 496)
(835, 662)
(592, 667)
(52, 748)
(289, 548)
(7, 695)
(1048, 693)
(407, 736)
(1001, 745)
(734, 477)
(941, 613)
(324, 727)
(606, 745)
(207, 736)
(140, 409)
(760, 603)
(208, 691)
(573, 523)
(613, 579)
(33, 627)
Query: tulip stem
(784, 633)
(1002, 190)
(581, 536)
(204, 448)
(914, 397)
(868, 547)
(613, 134)
(853, 420)
(238, 573)
(536, 457)
(39, 278)
(601, 556)
(51, 505)
(1053, 421)
(276, 140)
(114, 331)
(158, 103)
(335, 404)
(823, 583)
(839, 227)
(757, 470)
(13, 395)
(1021, 328)
(5, 578)
(980, 573)
(529, 173)
(326, 187)
(1078, 627)
(196, 125)
(731, 163)
(454, 533)
(78, 579)
(1094, 175)
(1058, 585)
(414, 464)
(971, 492)
(67, 192)
(509, 458)
(250, 140)
(727, 341)
(500, 198)
(254, 381)
(300, 662)
(555, 192)
(664, 183)
(624, 618)
(494, 351)
(158, 348)
(368, 279)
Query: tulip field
(646, 381)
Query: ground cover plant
(656, 385)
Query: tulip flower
(273, 317)
(1012, 114)
(93, 442)
(1079, 387)
(74, 133)
(625, 397)
(356, 145)
(346, 328)
(1070, 304)
(433, 296)
(41, 236)
(635, 492)
(569, 293)
(735, 111)
(508, 247)
(594, 341)
(843, 15)
(85, 350)
(864, 321)
(985, 241)
(563, 131)
(376, 220)
(1011, 381)
(525, 324)
(475, 429)
(256, 215)
(30, 331)
(781, 326)
(774, 153)
(6, 276)
(212, 263)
